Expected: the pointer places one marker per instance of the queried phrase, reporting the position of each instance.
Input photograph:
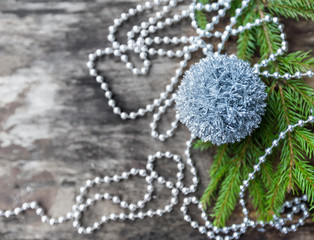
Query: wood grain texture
(56, 129)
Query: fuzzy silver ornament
(221, 99)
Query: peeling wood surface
(56, 129)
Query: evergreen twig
(288, 169)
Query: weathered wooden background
(56, 129)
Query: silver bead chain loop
(141, 45)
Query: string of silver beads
(83, 202)
(141, 45)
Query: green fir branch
(200, 145)
(276, 195)
(304, 176)
(289, 168)
(201, 16)
(246, 45)
(217, 172)
(292, 8)
(228, 192)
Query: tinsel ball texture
(221, 99)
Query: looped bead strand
(141, 45)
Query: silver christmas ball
(221, 99)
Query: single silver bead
(276, 75)
(275, 143)
(76, 224)
(39, 211)
(275, 20)
(297, 75)
(235, 235)
(262, 159)
(44, 218)
(113, 216)
(96, 225)
(104, 219)
(115, 199)
(17, 210)
(159, 212)
(290, 128)
(293, 228)
(309, 73)
(282, 135)
(279, 51)
(304, 198)
(132, 207)
(256, 167)
(194, 224)
(268, 151)
(122, 216)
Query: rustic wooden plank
(56, 129)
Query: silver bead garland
(141, 46)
